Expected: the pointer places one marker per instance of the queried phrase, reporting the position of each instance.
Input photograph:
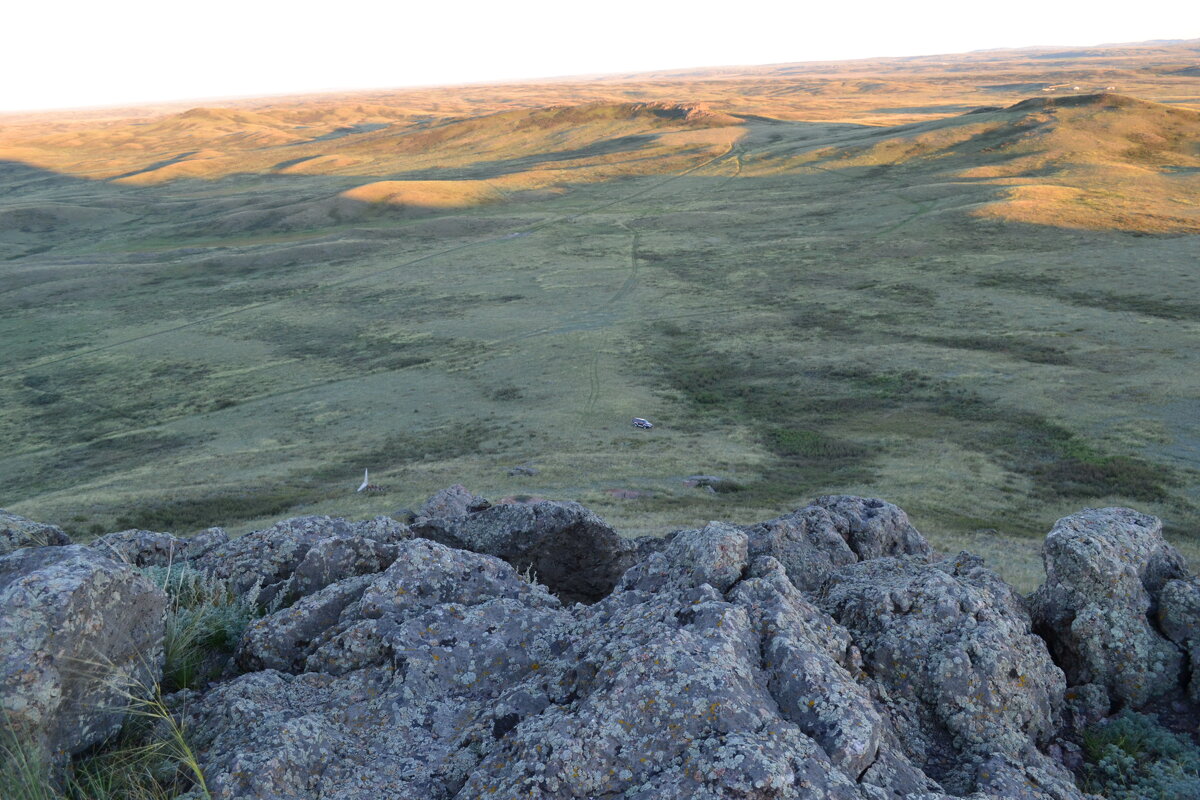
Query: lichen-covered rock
(1034, 777)
(17, 531)
(873, 528)
(333, 559)
(443, 633)
(571, 550)
(1179, 619)
(142, 548)
(352, 623)
(660, 693)
(1104, 571)
(953, 646)
(450, 503)
(810, 665)
(269, 558)
(281, 640)
(704, 673)
(78, 631)
(834, 531)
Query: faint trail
(594, 382)
(923, 207)
(631, 280)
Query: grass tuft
(151, 758)
(204, 623)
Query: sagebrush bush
(1132, 757)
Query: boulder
(953, 647)
(142, 548)
(79, 632)
(17, 531)
(397, 674)
(269, 558)
(873, 528)
(571, 550)
(351, 624)
(450, 503)
(338, 557)
(1105, 569)
(281, 640)
(833, 531)
(1179, 620)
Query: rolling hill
(956, 282)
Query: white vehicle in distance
(638, 422)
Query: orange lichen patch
(426, 194)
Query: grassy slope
(804, 307)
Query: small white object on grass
(366, 480)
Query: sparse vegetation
(151, 758)
(1132, 757)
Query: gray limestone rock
(811, 666)
(819, 655)
(704, 674)
(78, 632)
(333, 559)
(352, 623)
(873, 528)
(571, 550)
(1104, 571)
(408, 712)
(17, 531)
(280, 640)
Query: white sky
(77, 53)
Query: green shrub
(809, 444)
(204, 622)
(1132, 757)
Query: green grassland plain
(798, 310)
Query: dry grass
(890, 298)
(426, 194)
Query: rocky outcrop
(823, 654)
(17, 531)
(571, 550)
(78, 633)
(705, 672)
(1105, 570)
(451, 503)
